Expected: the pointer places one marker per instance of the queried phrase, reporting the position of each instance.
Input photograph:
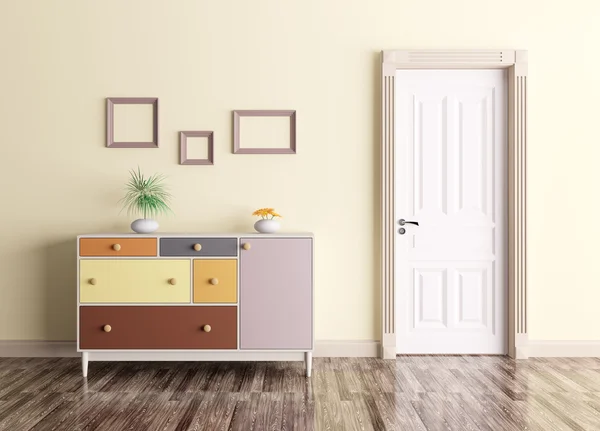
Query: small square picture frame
(110, 121)
(183, 147)
(237, 147)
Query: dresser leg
(308, 362)
(84, 363)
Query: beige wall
(60, 59)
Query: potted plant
(147, 197)
(267, 223)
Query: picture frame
(110, 121)
(183, 147)
(237, 132)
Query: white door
(450, 163)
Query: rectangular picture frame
(237, 148)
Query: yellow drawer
(215, 280)
(132, 281)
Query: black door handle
(402, 222)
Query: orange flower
(266, 213)
(261, 212)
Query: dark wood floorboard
(411, 393)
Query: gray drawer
(210, 247)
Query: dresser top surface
(199, 234)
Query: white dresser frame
(89, 355)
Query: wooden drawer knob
(107, 328)
(206, 328)
(214, 281)
(116, 247)
(93, 281)
(197, 247)
(173, 281)
(246, 246)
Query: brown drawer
(157, 327)
(117, 246)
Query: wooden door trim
(515, 61)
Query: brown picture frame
(237, 114)
(183, 136)
(110, 121)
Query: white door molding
(516, 64)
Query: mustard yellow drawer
(215, 280)
(131, 281)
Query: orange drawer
(117, 246)
(215, 280)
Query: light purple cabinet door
(276, 293)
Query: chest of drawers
(195, 297)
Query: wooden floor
(416, 392)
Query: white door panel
(451, 178)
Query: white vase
(144, 225)
(267, 226)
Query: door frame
(515, 61)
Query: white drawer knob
(107, 328)
(214, 281)
(116, 247)
(93, 281)
(197, 247)
(173, 281)
(246, 246)
(206, 328)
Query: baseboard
(562, 349)
(38, 349)
(346, 349)
(323, 349)
(68, 349)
